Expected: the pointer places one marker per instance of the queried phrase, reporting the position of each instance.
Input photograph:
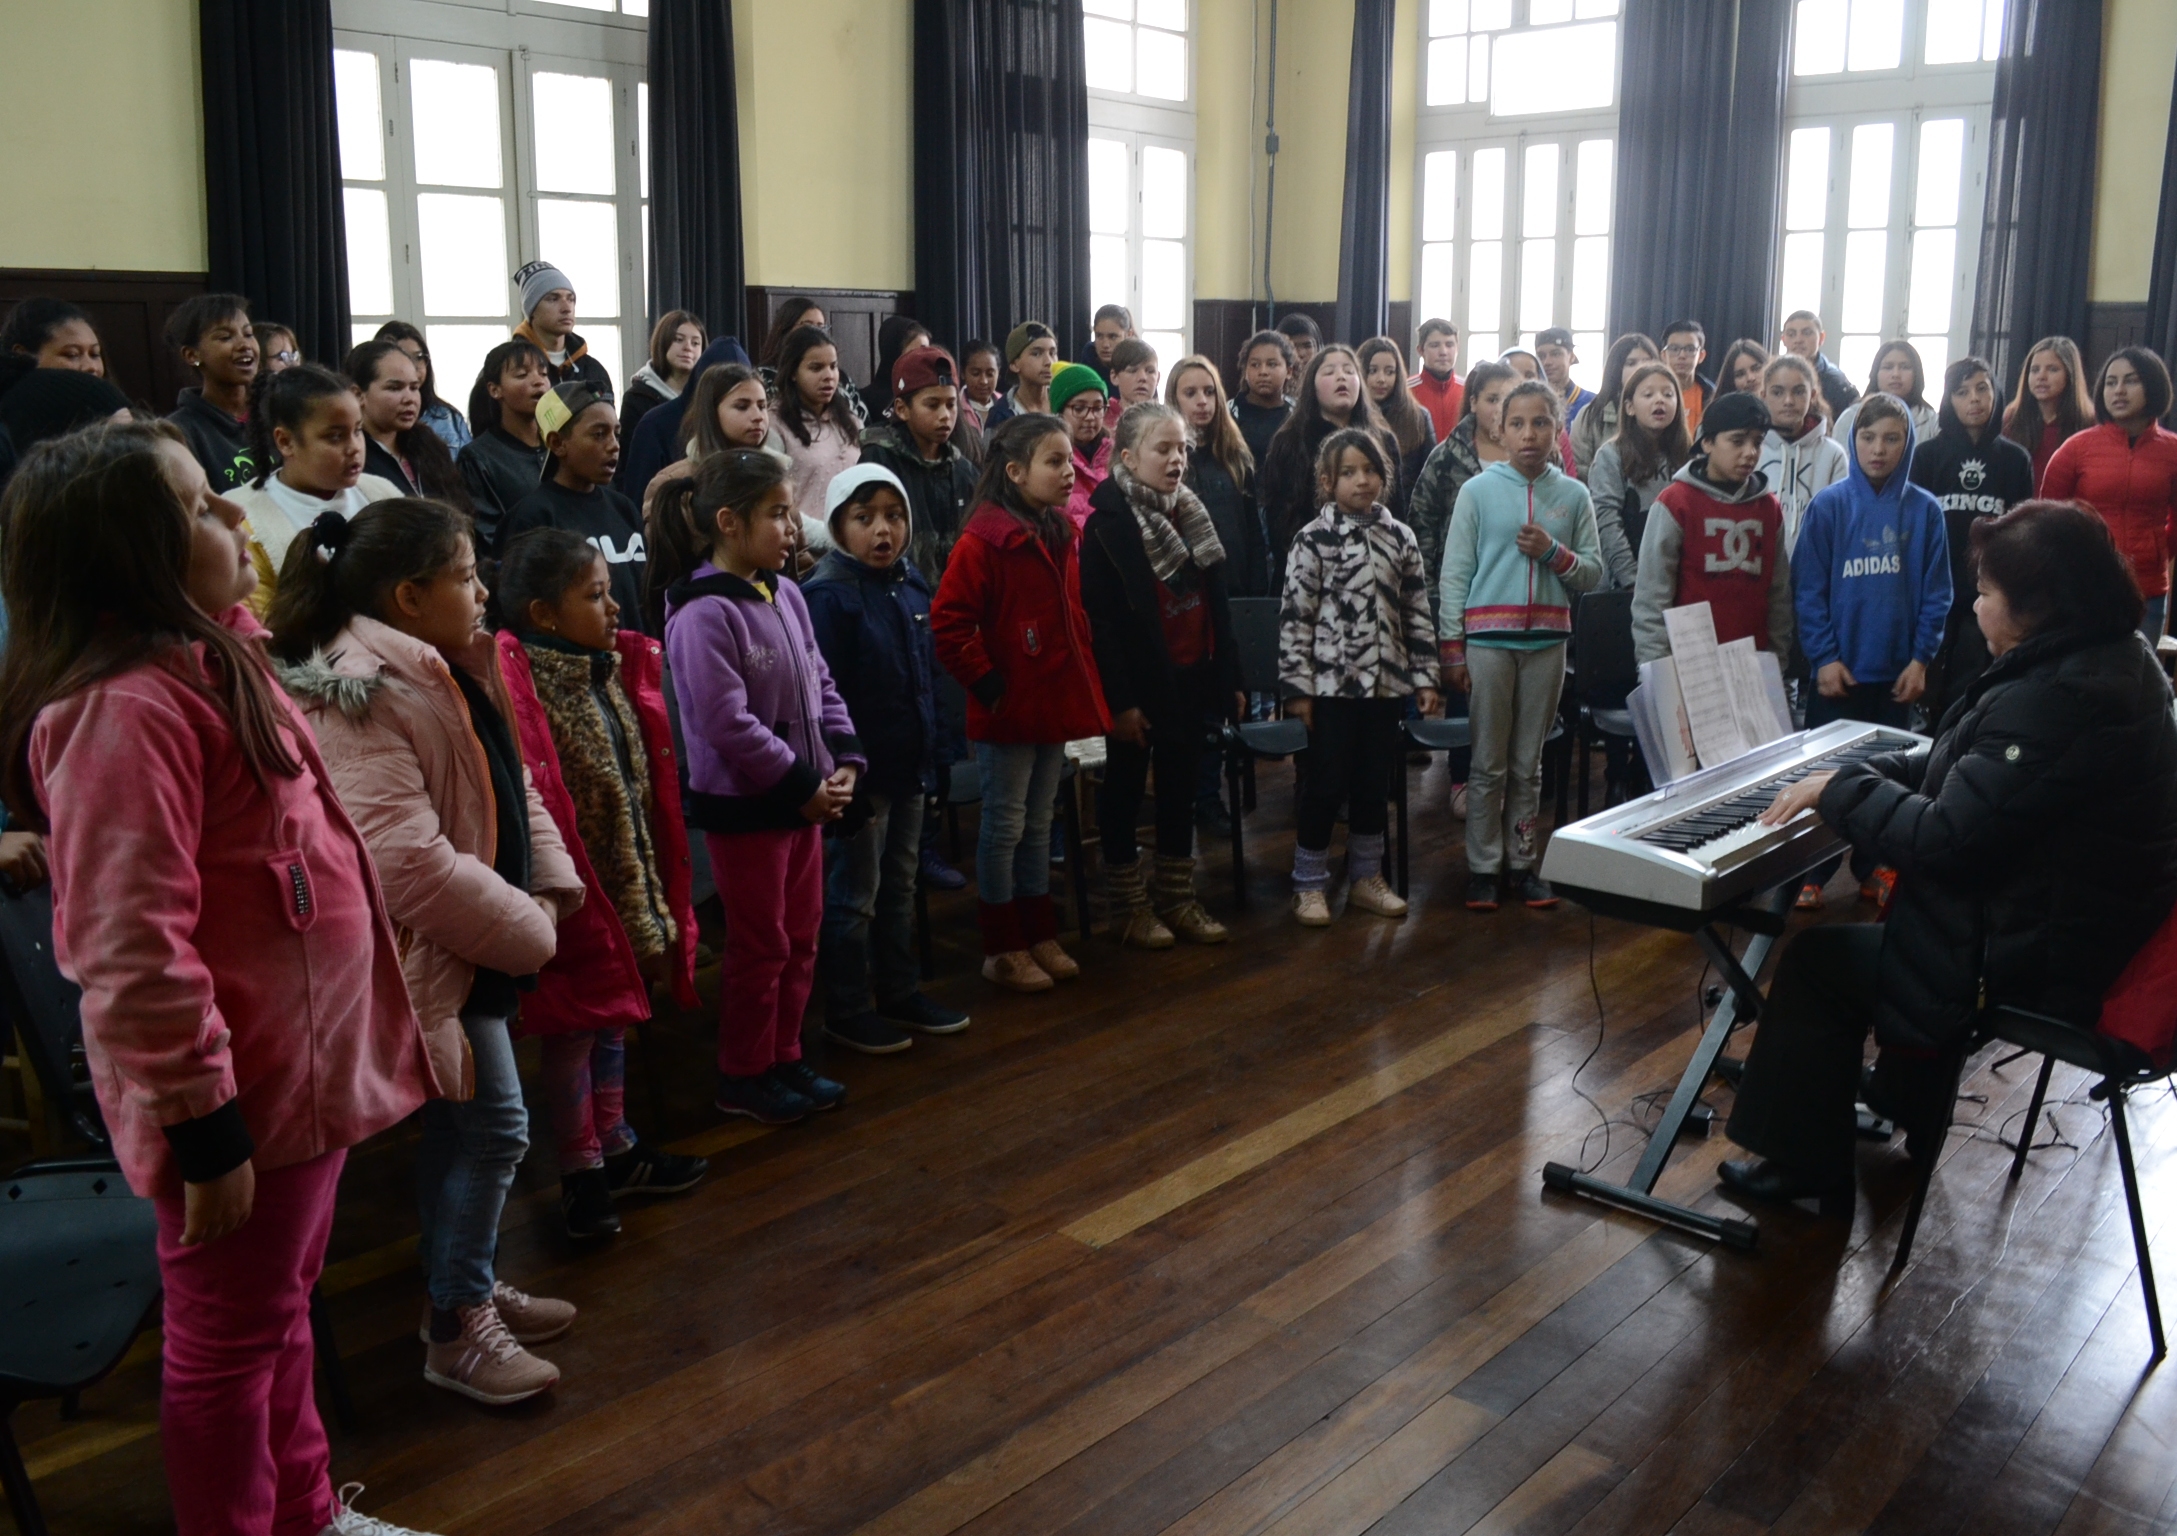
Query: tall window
(1886, 149)
(1515, 224)
(1141, 167)
(462, 162)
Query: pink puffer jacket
(400, 746)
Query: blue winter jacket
(874, 630)
(1871, 574)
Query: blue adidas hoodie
(1871, 574)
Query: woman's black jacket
(1125, 613)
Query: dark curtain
(1364, 239)
(272, 165)
(695, 164)
(2040, 204)
(1001, 169)
(2162, 282)
(1700, 151)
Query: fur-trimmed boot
(1133, 921)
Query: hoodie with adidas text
(1871, 573)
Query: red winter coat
(2133, 485)
(1444, 399)
(592, 981)
(1009, 625)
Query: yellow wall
(1405, 102)
(104, 136)
(826, 93)
(2139, 52)
(1227, 149)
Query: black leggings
(1175, 750)
(1352, 753)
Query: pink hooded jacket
(399, 743)
(229, 937)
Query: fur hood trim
(318, 680)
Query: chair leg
(922, 932)
(1239, 849)
(1580, 746)
(22, 1498)
(1399, 798)
(328, 1359)
(653, 1076)
(2139, 1222)
(1076, 859)
(1931, 1152)
(2033, 1118)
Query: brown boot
(1178, 906)
(1133, 921)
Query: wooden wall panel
(854, 313)
(128, 310)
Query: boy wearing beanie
(1716, 535)
(1031, 351)
(1079, 398)
(915, 444)
(548, 304)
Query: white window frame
(1139, 121)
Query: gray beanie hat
(535, 281)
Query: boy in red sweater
(1716, 535)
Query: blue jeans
(869, 909)
(2150, 624)
(465, 1167)
(1020, 787)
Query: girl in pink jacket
(380, 622)
(243, 1008)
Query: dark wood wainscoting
(2110, 326)
(854, 313)
(1222, 326)
(129, 310)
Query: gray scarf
(1174, 528)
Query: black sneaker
(645, 1170)
(1531, 890)
(1481, 893)
(763, 1098)
(867, 1033)
(585, 1205)
(803, 1081)
(917, 1012)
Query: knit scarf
(1175, 528)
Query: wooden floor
(1253, 1239)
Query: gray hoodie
(1662, 547)
(1621, 509)
(1797, 469)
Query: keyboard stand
(1741, 1001)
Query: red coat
(1009, 625)
(1444, 400)
(592, 981)
(2133, 485)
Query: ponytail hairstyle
(793, 412)
(483, 409)
(1222, 438)
(434, 465)
(700, 436)
(1016, 442)
(287, 399)
(683, 531)
(94, 547)
(339, 568)
(1643, 454)
(538, 567)
(1334, 446)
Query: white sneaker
(1375, 895)
(349, 1521)
(1312, 908)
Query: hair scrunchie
(331, 531)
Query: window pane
(1110, 47)
(1108, 200)
(642, 133)
(634, 7)
(1590, 281)
(1163, 284)
(1168, 14)
(1872, 145)
(1163, 192)
(1934, 358)
(355, 104)
(457, 355)
(464, 254)
(1591, 210)
(1436, 281)
(1487, 220)
(1480, 347)
(1953, 31)
(360, 331)
(1589, 347)
(1865, 253)
(1856, 356)
(1171, 346)
(1818, 38)
(1877, 36)
(1492, 15)
(1991, 32)
(1446, 17)
(1537, 284)
(455, 108)
(1806, 195)
(1942, 157)
(604, 345)
(1585, 9)
(583, 241)
(1934, 273)
(1538, 195)
(1547, 13)
(1477, 69)
(575, 141)
(1566, 69)
(370, 252)
(1801, 285)
(1439, 195)
(1484, 285)
(1120, 10)
(1162, 70)
(1447, 72)
(1107, 271)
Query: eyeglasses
(1682, 349)
(290, 357)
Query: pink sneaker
(486, 1364)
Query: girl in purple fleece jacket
(772, 758)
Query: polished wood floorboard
(1252, 1239)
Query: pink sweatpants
(772, 887)
(245, 1453)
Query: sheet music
(1710, 715)
(1749, 692)
(1659, 719)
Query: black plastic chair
(1602, 637)
(2121, 1068)
(1247, 742)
